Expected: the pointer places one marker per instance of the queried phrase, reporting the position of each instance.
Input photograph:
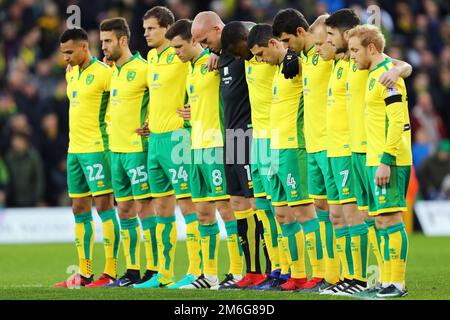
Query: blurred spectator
(4, 181)
(434, 174)
(421, 148)
(425, 117)
(26, 173)
(53, 149)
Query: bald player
(207, 30)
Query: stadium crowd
(34, 106)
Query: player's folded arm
(395, 115)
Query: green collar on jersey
(381, 64)
(90, 63)
(206, 51)
(136, 55)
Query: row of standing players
(308, 184)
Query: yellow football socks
(269, 223)
(111, 240)
(150, 243)
(398, 252)
(294, 236)
(283, 250)
(314, 248)
(84, 241)
(343, 246)
(234, 248)
(131, 240)
(166, 238)
(193, 244)
(210, 238)
(375, 243)
(386, 271)
(332, 264)
(360, 252)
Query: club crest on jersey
(90, 79)
(355, 67)
(371, 83)
(315, 59)
(204, 69)
(170, 58)
(131, 75)
(339, 73)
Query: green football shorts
(130, 176)
(340, 182)
(168, 167)
(88, 174)
(360, 180)
(207, 175)
(260, 167)
(317, 174)
(289, 177)
(391, 197)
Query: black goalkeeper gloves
(290, 65)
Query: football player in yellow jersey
(259, 77)
(207, 168)
(88, 167)
(347, 221)
(293, 29)
(356, 83)
(168, 172)
(207, 29)
(389, 157)
(342, 21)
(128, 111)
(288, 175)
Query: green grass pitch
(29, 271)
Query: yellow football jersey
(129, 102)
(387, 122)
(286, 112)
(167, 85)
(356, 90)
(203, 89)
(88, 93)
(259, 78)
(338, 132)
(315, 70)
